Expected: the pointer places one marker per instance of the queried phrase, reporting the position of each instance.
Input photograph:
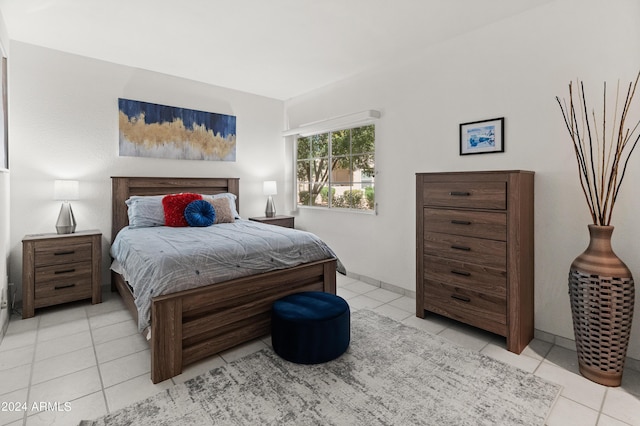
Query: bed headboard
(124, 187)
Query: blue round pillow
(200, 213)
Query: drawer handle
(459, 193)
(463, 273)
(461, 222)
(463, 248)
(60, 287)
(461, 298)
(63, 253)
(66, 271)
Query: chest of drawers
(60, 268)
(474, 250)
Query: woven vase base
(600, 377)
(602, 312)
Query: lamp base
(270, 210)
(66, 223)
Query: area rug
(392, 374)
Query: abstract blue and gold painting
(160, 131)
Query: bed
(194, 324)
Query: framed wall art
(482, 137)
(161, 131)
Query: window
(336, 170)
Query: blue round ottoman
(310, 327)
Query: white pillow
(145, 211)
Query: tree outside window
(337, 169)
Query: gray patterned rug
(392, 374)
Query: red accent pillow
(174, 206)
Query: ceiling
(274, 48)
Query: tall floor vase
(601, 292)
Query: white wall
(64, 124)
(4, 211)
(512, 69)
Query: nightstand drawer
(280, 220)
(285, 222)
(71, 271)
(56, 252)
(491, 225)
(476, 195)
(62, 291)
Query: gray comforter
(162, 260)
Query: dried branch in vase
(599, 160)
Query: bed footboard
(194, 324)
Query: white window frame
(321, 129)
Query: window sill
(339, 210)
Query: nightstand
(280, 220)
(60, 268)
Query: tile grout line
(95, 354)
(33, 366)
(604, 398)
(546, 354)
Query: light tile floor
(93, 359)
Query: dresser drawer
(468, 275)
(58, 252)
(491, 225)
(477, 195)
(466, 249)
(474, 308)
(61, 291)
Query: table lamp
(65, 190)
(270, 188)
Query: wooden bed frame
(194, 324)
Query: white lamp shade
(269, 187)
(66, 190)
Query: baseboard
(378, 283)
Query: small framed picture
(481, 137)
